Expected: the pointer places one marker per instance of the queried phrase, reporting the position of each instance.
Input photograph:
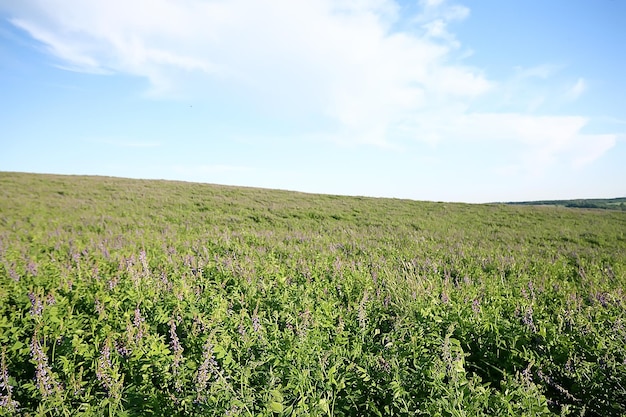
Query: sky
(466, 101)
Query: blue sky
(473, 101)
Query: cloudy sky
(474, 101)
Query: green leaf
(276, 407)
(219, 351)
(277, 395)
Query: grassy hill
(136, 297)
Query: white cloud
(577, 89)
(537, 142)
(67, 53)
(338, 60)
(431, 3)
(542, 71)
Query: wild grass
(129, 297)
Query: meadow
(157, 298)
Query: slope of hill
(135, 297)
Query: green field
(138, 298)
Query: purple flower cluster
(99, 306)
(122, 349)
(387, 301)
(233, 411)
(31, 268)
(112, 283)
(476, 306)
(104, 366)
(14, 275)
(50, 300)
(208, 369)
(138, 322)
(602, 298)
(384, 365)
(43, 374)
(7, 403)
(362, 314)
(547, 379)
(36, 303)
(527, 375)
(444, 297)
(105, 250)
(144, 261)
(176, 347)
(528, 321)
(165, 283)
(36, 306)
(75, 257)
(256, 323)
(106, 373)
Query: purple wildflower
(107, 374)
(476, 305)
(99, 306)
(602, 298)
(547, 379)
(290, 327)
(144, 261)
(7, 403)
(36, 306)
(105, 251)
(362, 314)
(76, 257)
(208, 369)
(43, 374)
(386, 301)
(165, 282)
(50, 300)
(233, 411)
(527, 375)
(384, 365)
(31, 268)
(176, 347)
(136, 328)
(444, 298)
(104, 367)
(112, 283)
(139, 321)
(14, 275)
(122, 349)
(374, 277)
(527, 320)
(256, 323)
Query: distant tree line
(604, 204)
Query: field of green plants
(156, 298)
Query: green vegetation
(594, 203)
(128, 297)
